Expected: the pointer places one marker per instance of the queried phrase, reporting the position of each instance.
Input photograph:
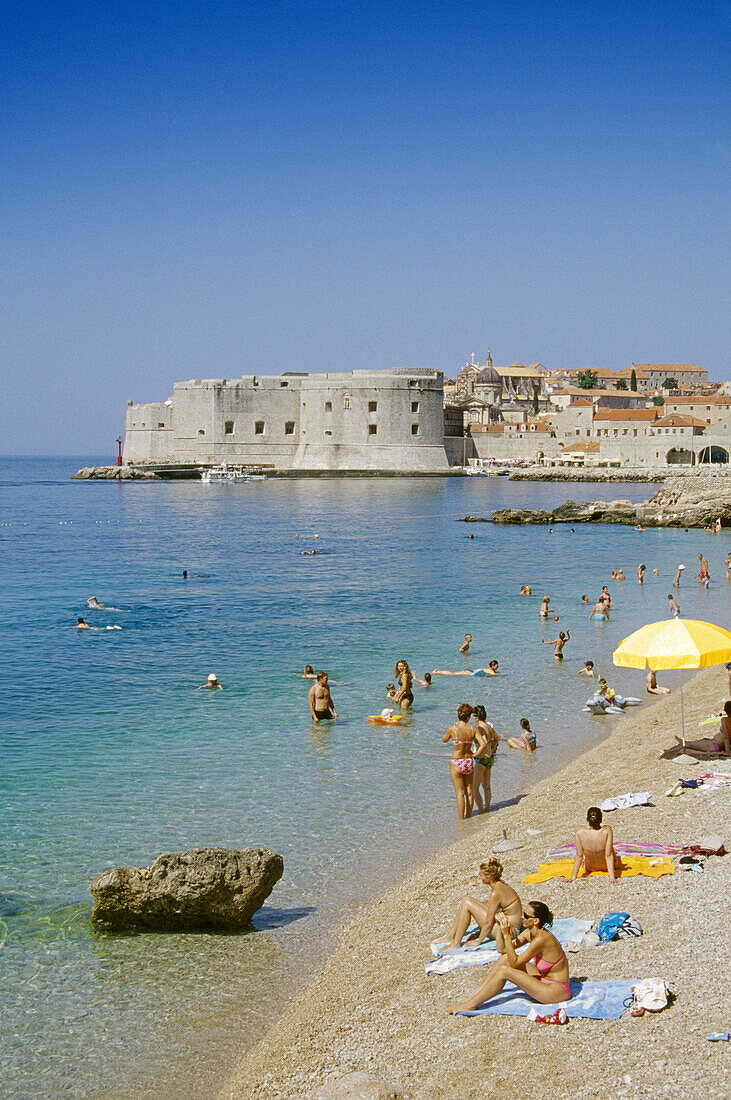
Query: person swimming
(465, 647)
(211, 684)
(81, 625)
(426, 682)
(600, 611)
(544, 610)
(93, 603)
(489, 670)
(309, 673)
(587, 670)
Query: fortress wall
(148, 432)
(359, 421)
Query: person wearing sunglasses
(541, 970)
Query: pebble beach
(373, 1012)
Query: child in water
(527, 739)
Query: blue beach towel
(594, 1000)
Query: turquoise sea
(109, 756)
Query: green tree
(670, 383)
(535, 400)
(587, 379)
(658, 399)
(633, 380)
(621, 383)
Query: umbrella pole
(682, 716)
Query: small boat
(228, 473)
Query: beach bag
(628, 928)
(606, 930)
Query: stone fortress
(360, 421)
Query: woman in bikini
(503, 901)
(527, 739)
(721, 742)
(404, 692)
(487, 743)
(595, 848)
(541, 971)
(461, 766)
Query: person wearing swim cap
(211, 684)
(679, 570)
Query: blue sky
(214, 189)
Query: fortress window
(284, 385)
(413, 382)
(372, 406)
(289, 427)
(414, 429)
(328, 432)
(328, 406)
(228, 427)
(414, 406)
(201, 431)
(161, 424)
(346, 401)
(372, 429)
(259, 427)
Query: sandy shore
(373, 1009)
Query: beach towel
(624, 801)
(565, 929)
(594, 1000)
(623, 848)
(631, 866)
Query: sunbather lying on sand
(595, 847)
(530, 970)
(721, 742)
(503, 901)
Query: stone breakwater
(592, 473)
(679, 503)
(113, 473)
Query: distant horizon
(234, 189)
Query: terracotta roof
(581, 403)
(517, 370)
(699, 399)
(626, 372)
(583, 448)
(626, 414)
(675, 420)
(486, 427)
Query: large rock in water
(204, 889)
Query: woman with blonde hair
(503, 900)
(404, 680)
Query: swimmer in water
(587, 670)
(488, 671)
(93, 602)
(656, 572)
(604, 595)
(641, 573)
(526, 590)
(404, 692)
(465, 647)
(559, 643)
(599, 612)
(81, 625)
(584, 599)
(211, 684)
(320, 700)
(426, 682)
(620, 574)
(185, 574)
(544, 609)
(527, 739)
(679, 570)
(309, 673)
(308, 553)
(674, 607)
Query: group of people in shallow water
(530, 955)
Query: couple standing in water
(472, 772)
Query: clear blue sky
(213, 189)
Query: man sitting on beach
(320, 700)
(595, 847)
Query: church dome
(488, 376)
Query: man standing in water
(320, 700)
(641, 573)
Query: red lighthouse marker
(118, 441)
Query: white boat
(228, 473)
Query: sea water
(109, 755)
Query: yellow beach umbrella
(675, 644)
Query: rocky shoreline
(114, 473)
(373, 1016)
(679, 503)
